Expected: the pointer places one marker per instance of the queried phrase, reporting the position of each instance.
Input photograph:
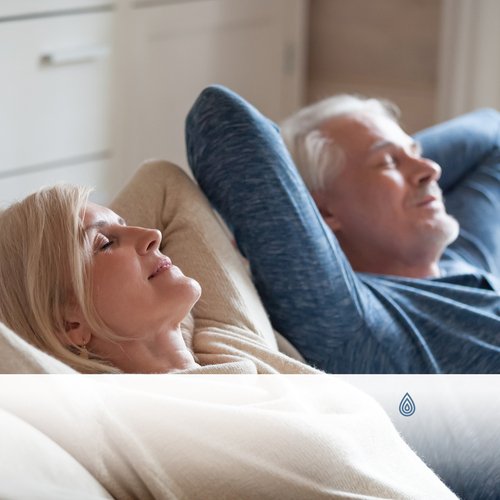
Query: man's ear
(324, 204)
(77, 331)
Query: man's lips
(161, 266)
(431, 198)
(426, 200)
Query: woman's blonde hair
(45, 260)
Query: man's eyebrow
(384, 144)
(102, 223)
(380, 145)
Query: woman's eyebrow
(102, 223)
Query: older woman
(102, 293)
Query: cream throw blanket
(212, 437)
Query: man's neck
(419, 265)
(425, 270)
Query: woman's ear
(77, 331)
(325, 208)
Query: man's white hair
(313, 152)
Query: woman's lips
(163, 265)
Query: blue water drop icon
(407, 406)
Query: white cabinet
(88, 173)
(171, 50)
(16, 9)
(54, 95)
(91, 88)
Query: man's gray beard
(444, 235)
(453, 230)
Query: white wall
(469, 62)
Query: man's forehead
(365, 130)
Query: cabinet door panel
(94, 174)
(178, 49)
(55, 93)
(10, 8)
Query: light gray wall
(383, 48)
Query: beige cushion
(17, 356)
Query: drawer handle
(74, 56)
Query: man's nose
(425, 171)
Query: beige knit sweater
(228, 328)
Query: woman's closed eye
(103, 243)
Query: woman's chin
(194, 291)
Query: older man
(375, 191)
(385, 286)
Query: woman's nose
(149, 240)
